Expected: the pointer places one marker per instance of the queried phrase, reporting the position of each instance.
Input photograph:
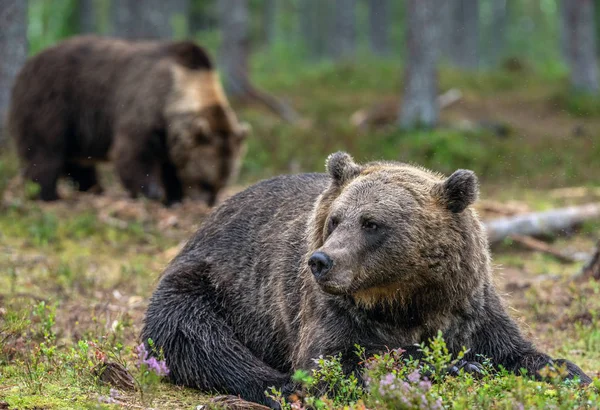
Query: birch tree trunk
(580, 37)
(148, 19)
(419, 106)
(498, 28)
(379, 17)
(464, 51)
(234, 53)
(13, 52)
(343, 36)
(87, 17)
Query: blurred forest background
(516, 80)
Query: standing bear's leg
(44, 169)
(172, 183)
(85, 177)
(138, 164)
(200, 349)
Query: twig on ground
(592, 268)
(543, 247)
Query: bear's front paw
(474, 368)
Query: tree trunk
(234, 58)
(379, 17)
(419, 106)
(581, 44)
(87, 17)
(202, 16)
(464, 34)
(565, 38)
(234, 53)
(343, 36)
(314, 21)
(498, 31)
(270, 21)
(148, 19)
(13, 51)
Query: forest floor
(76, 274)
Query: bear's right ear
(342, 167)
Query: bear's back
(85, 86)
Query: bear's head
(206, 141)
(393, 232)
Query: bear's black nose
(320, 264)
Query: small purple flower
(157, 366)
(106, 400)
(388, 379)
(142, 353)
(414, 376)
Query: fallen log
(538, 223)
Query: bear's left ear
(243, 130)
(458, 191)
(342, 168)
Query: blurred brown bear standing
(156, 109)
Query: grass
(77, 274)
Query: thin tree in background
(234, 57)
(270, 21)
(13, 51)
(235, 44)
(580, 44)
(87, 17)
(464, 33)
(379, 18)
(315, 17)
(148, 19)
(498, 28)
(419, 105)
(343, 36)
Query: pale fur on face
(200, 151)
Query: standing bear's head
(393, 232)
(206, 141)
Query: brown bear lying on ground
(156, 109)
(381, 255)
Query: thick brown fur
(246, 302)
(154, 108)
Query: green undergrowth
(579, 104)
(395, 382)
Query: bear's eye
(333, 223)
(370, 226)
(202, 139)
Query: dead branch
(249, 92)
(539, 246)
(114, 374)
(538, 223)
(592, 268)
